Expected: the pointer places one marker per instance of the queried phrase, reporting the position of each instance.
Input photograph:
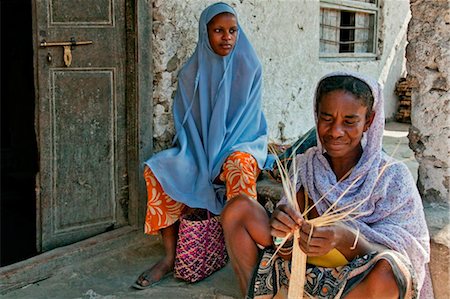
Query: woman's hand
(339, 236)
(285, 219)
(323, 239)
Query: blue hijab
(217, 111)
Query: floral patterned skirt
(239, 172)
(272, 280)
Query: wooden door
(81, 120)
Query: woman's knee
(382, 278)
(243, 215)
(237, 209)
(384, 271)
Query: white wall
(285, 35)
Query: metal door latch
(68, 46)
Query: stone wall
(428, 63)
(285, 34)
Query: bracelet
(286, 249)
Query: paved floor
(110, 276)
(396, 144)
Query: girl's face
(342, 119)
(222, 33)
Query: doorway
(38, 141)
(19, 157)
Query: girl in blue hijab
(221, 134)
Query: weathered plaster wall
(428, 55)
(285, 35)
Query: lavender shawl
(393, 215)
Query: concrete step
(111, 274)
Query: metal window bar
(345, 27)
(342, 43)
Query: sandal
(145, 276)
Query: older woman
(388, 258)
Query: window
(348, 28)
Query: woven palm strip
(298, 266)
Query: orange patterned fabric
(162, 211)
(239, 172)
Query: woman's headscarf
(393, 215)
(217, 111)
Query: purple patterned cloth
(393, 214)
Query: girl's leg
(245, 224)
(162, 216)
(156, 272)
(244, 220)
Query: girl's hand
(285, 219)
(323, 239)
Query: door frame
(139, 93)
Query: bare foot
(154, 274)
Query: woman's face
(342, 119)
(222, 33)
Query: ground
(110, 277)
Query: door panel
(81, 120)
(81, 13)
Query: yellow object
(332, 259)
